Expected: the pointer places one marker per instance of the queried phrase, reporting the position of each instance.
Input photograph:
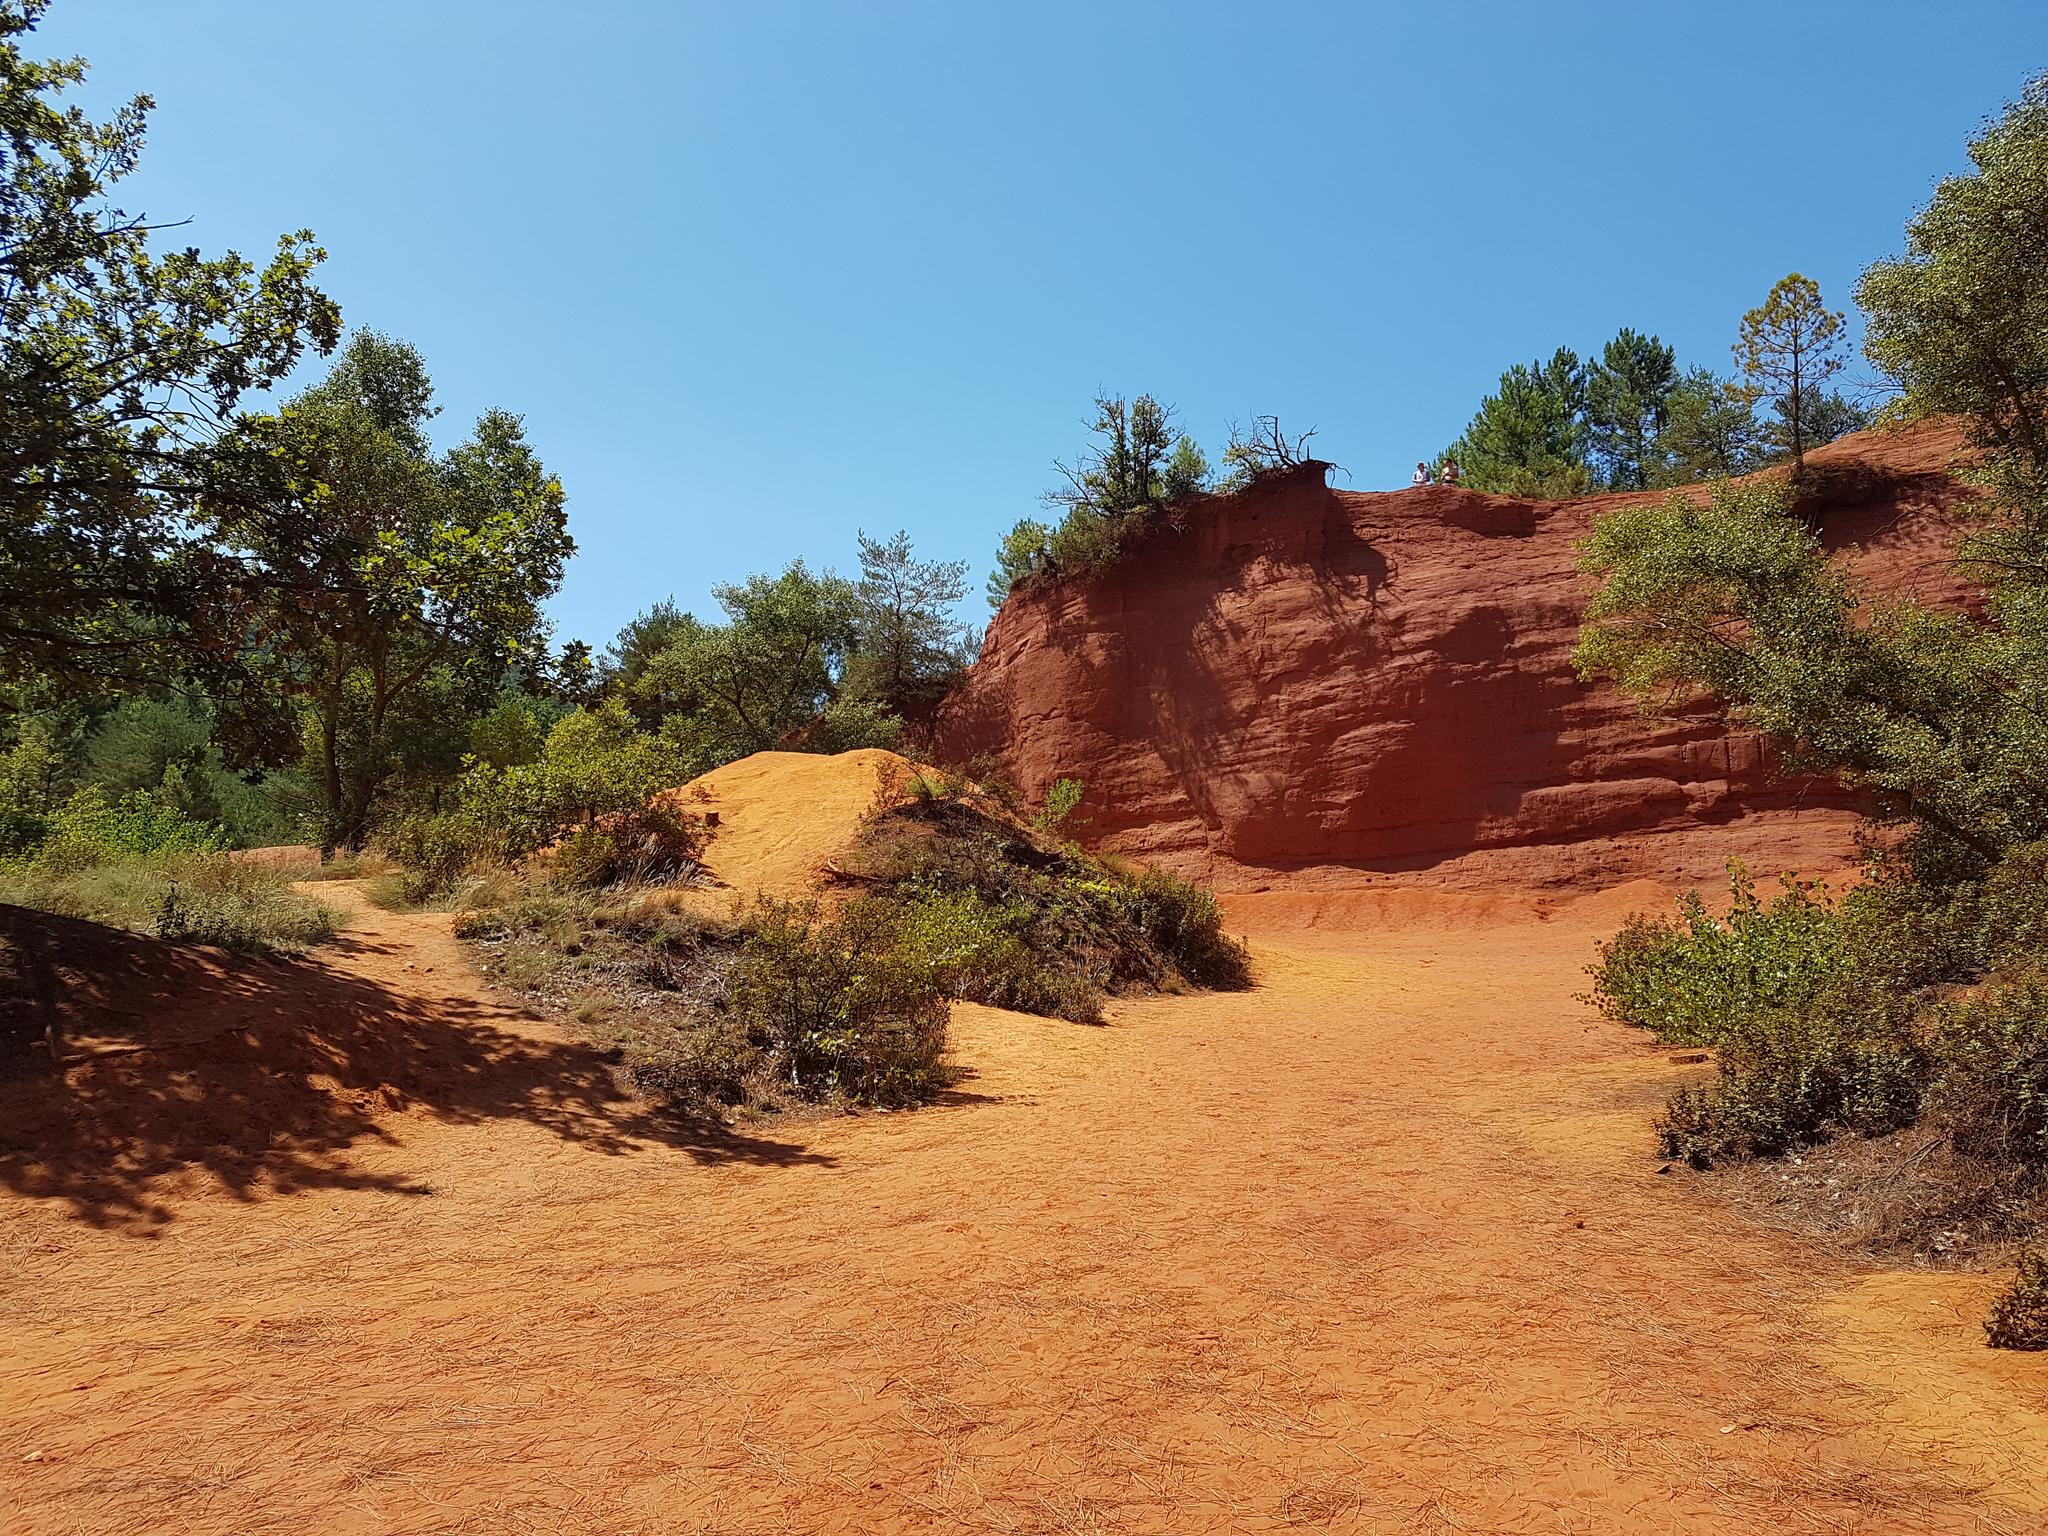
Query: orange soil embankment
(1375, 1248)
(782, 817)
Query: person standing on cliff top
(1449, 476)
(1421, 474)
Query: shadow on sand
(125, 1061)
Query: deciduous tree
(119, 363)
(391, 588)
(1960, 319)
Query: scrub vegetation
(1916, 1005)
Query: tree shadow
(126, 1061)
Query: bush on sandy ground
(594, 805)
(1697, 979)
(1901, 1011)
(802, 1003)
(846, 1007)
(2019, 1318)
(1790, 1078)
(1021, 920)
(642, 977)
(784, 1007)
(1831, 1016)
(136, 862)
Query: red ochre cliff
(1306, 686)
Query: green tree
(624, 664)
(1960, 319)
(134, 744)
(768, 677)
(1125, 472)
(117, 365)
(1710, 433)
(1944, 714)
(1023, 552)
(908, 648)
(395, 587)
(1528, 439)
(1945, 718)
(33, 782)
(1629, 390)
(575, 676)
(1186, 471)
(514, 731)
(1824, 415)
(1790, 346)
(1110, 495)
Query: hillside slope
(1310, 686)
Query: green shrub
(2019, 1318)
(1794, 1077)
(89, 828)
(596, 799)
(1185, 923)
(1697, 979)
(1051, 930)
(1061, 801)
(715, 1063)
(651, 842)
(977, 951)
(846, 1009)
(435, 852)
(1991, 1077)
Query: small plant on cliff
(1141, 464)
(1061, 801)
(1263, 448)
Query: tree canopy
(1629, 390)
(1529, 437)
(1940, 713)
(1960, 318)
(389, 584)
(119, 365)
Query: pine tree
(1529, 438)
(1790, 346)
(1628, 401)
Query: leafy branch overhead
(120, 365)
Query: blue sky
(760, 273)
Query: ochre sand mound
(1375, 1248)
(784, 816)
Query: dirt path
(1376, 1248)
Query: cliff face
(1304, 685)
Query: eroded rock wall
(1304, 680)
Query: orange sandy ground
(1377, 1247)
